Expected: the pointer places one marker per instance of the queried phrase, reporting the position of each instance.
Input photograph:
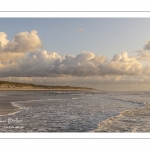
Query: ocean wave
(127, 121)
(76, 98)
(76, 114)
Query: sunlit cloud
(22, 42)
(42, 63)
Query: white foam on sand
(126, 121)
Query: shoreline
(6, 101)
(10, 111)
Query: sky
(102, 53)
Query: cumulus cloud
(84, 64)
(23, 60)
(50, 64)
(22, 57)
(147, 45)
(23, 42)
(8, 56)
(3, 40)
(122, 64)
(143, 55)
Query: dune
(6, 85)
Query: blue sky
(102, 36)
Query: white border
(74, 14)
(74, 5)
(71, 135)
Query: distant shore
(24, 89)
(16, 86)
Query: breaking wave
(132, 120)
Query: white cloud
(122, 64)
(16, 49)
(9, 56)
(143, 55)
(147, 45)
(22, 57)
(22, 42)
(47, 64)
(3, 40)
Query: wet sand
(5, 105)
(7, 108)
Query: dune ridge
(6, 85)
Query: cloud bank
(23, 57)
(42, 63)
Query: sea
(75, 111)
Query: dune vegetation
(15, 85)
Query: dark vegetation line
(7, 84)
